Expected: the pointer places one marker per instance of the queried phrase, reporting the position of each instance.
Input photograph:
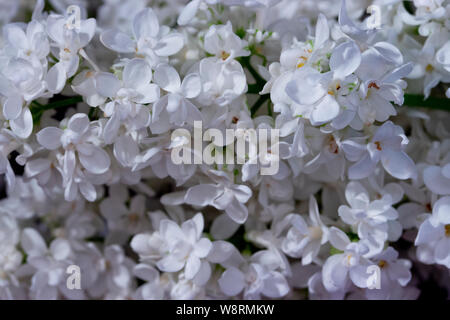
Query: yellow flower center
(224, 55)
(447, 230)
(378, 144)
(315, 232)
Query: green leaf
(417, 100)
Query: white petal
(169, 230)
(242, 193)
(203, 247)
(146, 272)
(173, 104)
(23, 125)
(275, 285)
(435, 181)
(237, 211)
(442, 252)
(137, 73)
(326, 110)
(345, 59)
(50, 137)
(199, 224)
(88, 191)
(360, 276)
(334, 273)
(389, 52)
(170, 44)
(203, 274)
(338, 238)
(170, 264)
(78, 123)
(71, 191)
(60, 249)
(107, 84)
(87, 31)
(126, 150)
(191, 86)
(15, 36)
(223, 227)
(220, 251)
(167, 78)
(69, 163)
(98, 162)
(202, 194)
(111, 128)
(36, 166)
(306, 89)
(322, 31)
(145, 24)
(398, 164)
(362, 169)
(33, 243)
(427, 233)
(117, 41)
(12, 107)
(232, 281)
(56, 78)
(188, 12)
(148, 94)
(441, 210)
(193, 265)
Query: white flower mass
(92, 92)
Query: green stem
(417, 100)
(59, 104)
(258, 104)
(93, 114)
(245, 61)
(38, 109)
(254, 88)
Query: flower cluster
(89, 108)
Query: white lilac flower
(433, 239)
(20, 83)
(255, 279)
(10, 257)
(343, 268)
(369, 219)
(178, 248)
(31, 44)
(222, 42)
(8, 143)
(175, 107)
(50, 265)
(79, 155)
(129, 220)
(221, 83)
(67, 43)
(386, 145)
(437, 179)
(318, 93)
(158, 155)
(393, 272)
(223, 195)
(96, 99)
(127, 98)
(149, 40)
(304, 240)
(110, 272)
